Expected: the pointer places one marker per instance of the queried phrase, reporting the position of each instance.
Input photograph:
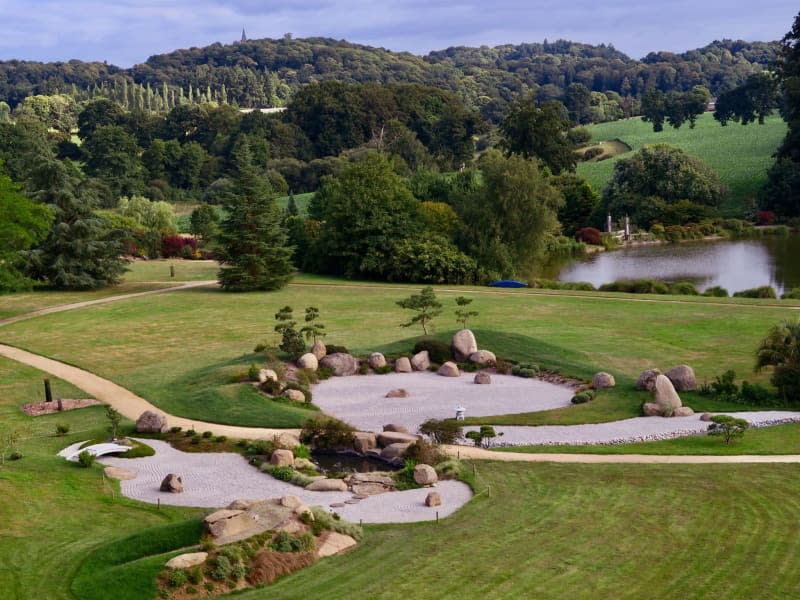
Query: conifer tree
(253, 245)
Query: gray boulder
(282, 458)
(151, 422)
(651, 409)
(364, 440)
(376, 361)
(265, 374)
(308, 361)
(706, 417)
(421, 361)
(647, 380)
(682, 377)
(425, 475)
(482, 378)
(463, 345)
(483, 358)
(295, 395)
(448, 369)
(682, 411)
(395, 427)
(342, 364)
(318, 350)
(327, 485)
(398, 393)
(402, 365)
(172, 483)
(387, 438)
(603, 380)
(666, 396)
(433, 499)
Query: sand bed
(361, 400)
(216, 479)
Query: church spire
(244, 36)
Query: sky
(126, 32)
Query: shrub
(15, 455)
(259, 348)
(441, 431)
(589, 235)
(404, 478)
(439, 352)
(220, 439)
(592, 152)
(195, 575)
(177, 578)
(716, 292)
(683, 288)
(282, 473)
(286, 542)
(222, 568)
(260, 447)
(189, 433)
(196, 439)
(326, 432)
(294, 385)
(425, 452)
(86, 459)
(324, 373)
(484, 436)
(326, 520)
(302, 451)
(332, 349)
(792, 294)
(765, 291)
(384, 370)
(728, 427)
(238, 572)
(724, 385)
(173, 245)
(583, 397)
(270, 387)
(756, 394)
(526, 370)
(62, 429)
(765, 217)
(657, 230)
(207, 434)
(253, 372)
(175, 429)
(292, 343)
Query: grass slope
(53, 512)
(740, 155)
(179, 350)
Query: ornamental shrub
(86, 459)
(765, 291)
(441, 431)
(716, 292)
(326, 432)
(173, 245)
(589, 235)
(683, 288)
(62, 429)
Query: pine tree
(253, 248)
(81, 252)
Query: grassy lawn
(159, 270)
(179, 350)
(301, 200)
(781, 439)
(53, 512)
(584, 531)
(740, 155)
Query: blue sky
(125, 32)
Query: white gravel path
(361, 399)
(638, 429)
(216, 479)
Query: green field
(740, 155)
(301, 200)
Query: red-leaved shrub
(765, 217)
(589, 235)
(173, 245)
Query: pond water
(348, 463)
(734, 265)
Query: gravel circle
(215, 479)
(361, 399)
(637, 429)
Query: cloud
(125, 32)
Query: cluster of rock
(667, 402)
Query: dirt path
(482, 454)
(75, 305)
(125, 401)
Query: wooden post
(159, 503)
(474, 473)
(172, 270)
(48, 393)
(437, 517)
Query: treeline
(264, 73)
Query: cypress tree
(253, 245)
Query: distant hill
(266, 72)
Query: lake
(734, 265)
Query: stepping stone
(351, 501)
(337, 505)
(359, 497)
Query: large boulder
(394, 451)
(286, 440)
(683, 411)
(267, 374)
(187, 561)
(448, 369)
(377, 361)
(647, 380)
(682, 377)
(402, 365)
(282, 458)
(327, 485)
(463, 345)
(364, 440)
(603, 380)
(228, 523)
(706, 417)
(425, 475)
(398, 393)
(394, 437)
(651, 409)
(334, 543)
(483, 358)
(295, 395)
(318, 350)
(172, 483)
(433, 499)
(482, 378)
(291, 502)
(395, 427)
(666, 396)
(421, 361)
(308, 361)
(341, 363)
(151, 422)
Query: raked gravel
(638, 429)
(216, 479)
(361, 399)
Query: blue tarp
(508, 283)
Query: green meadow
(739, 154)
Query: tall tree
(112, 156)
(80, 252)
(755, 100)
(23, 223)
(253, 249)
(540, 131)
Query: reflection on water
(734, 265)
